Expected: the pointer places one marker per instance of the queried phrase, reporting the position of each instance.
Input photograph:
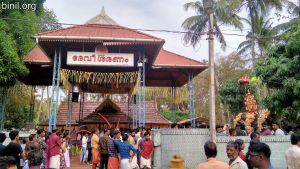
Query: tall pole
(212, 98)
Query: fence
(189, 144)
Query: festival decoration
(263, 115)
(251, 107)
(122, 82)
(237, 119)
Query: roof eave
(37, 62)
(159, 66)
(90, 38)
(157, 52)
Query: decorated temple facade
(101, 56)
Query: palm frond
(243, 44)
(220, 36)
(195, 26)
(244, 49)
(283, 27)
(196, 6)
(225, 12)
(293, 8)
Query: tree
(17, 106)
(197, 25)
(256, 8)
(232, 94)
(230, 67)
(11, 66)
(48, 21)
(294, 11)
(165, 98)
(261, 37)
(16, 32)
(280, 72)
(16, 39)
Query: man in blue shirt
(124, 149)
(259, 156)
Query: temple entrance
(107, 115)
(101, 56)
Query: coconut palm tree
(197, 25)
(261, 36)
(294, 11)
(258, 7)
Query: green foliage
(261, 35)
(11, 66)
(165, 98)
(48, 21)
(179, 115)
(233, 95)
(293, 9)
(16, 32)
(17, 106)
(280, 72)
(197, 25)
(16, 39)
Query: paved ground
(75, 163)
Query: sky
(144, 14)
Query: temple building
(101, 56)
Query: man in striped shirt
(113, 159)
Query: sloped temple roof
(163, 68)
(90, 113)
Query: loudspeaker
(75, 96)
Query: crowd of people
(257, 156)
(105, 149)
(37, 151)
(267, 129)
(114, 149)
(132, 149)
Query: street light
(208, 6)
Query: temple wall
(188, 143)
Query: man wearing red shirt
(54, 150)
(147, 148)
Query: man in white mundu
(54, 150)
(147, 148)
(124, 149)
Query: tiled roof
(97, 31)
(36, 55)
(152, 114)
(169, 59)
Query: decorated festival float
(254, 116)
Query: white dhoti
(134, 163)
(55, 162)
(67, 158)
(145, 162)
(125, 164)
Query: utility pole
(208, 6)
